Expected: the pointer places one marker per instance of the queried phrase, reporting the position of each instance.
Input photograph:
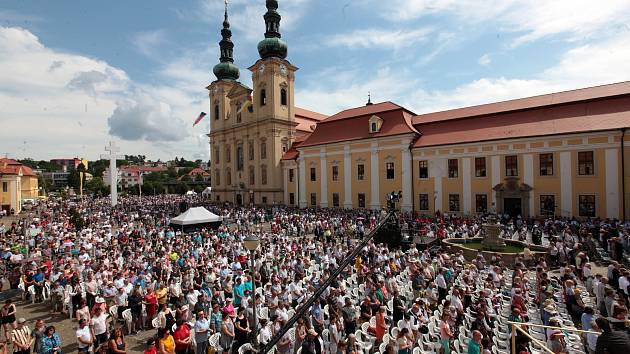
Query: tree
(74, 180)
(97, 186)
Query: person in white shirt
(84, 336)
(98, 325)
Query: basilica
(562, 154)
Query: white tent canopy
(206, 191)
(191, 193)
(198, 215)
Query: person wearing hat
(21, 337)
(556, 342)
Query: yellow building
(564, 154)
(17, 182)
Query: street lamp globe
(251, 242)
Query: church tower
(273, 79)
(226, 73)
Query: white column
(302, 182)
(347, 178)
(528, 178)
(612, 184)
(323, 175)
(285, 184)
(406, 179)
(466, 185)
(566, 188)
(375, 202)
(496, 177)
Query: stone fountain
(492, 241)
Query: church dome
(226, 71)
(272, 47)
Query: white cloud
(485, 60)
(148, 42)
(530, 20)
(583, 66)
(59, 103)
(379, 38)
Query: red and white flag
(201, 116)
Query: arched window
(263, 150)
(216, 112)
(374, 130)
(228, 177)
(252, 176)
(263, 97)
(250, 147)
(283, 97)
(228, 154)
(217, 179)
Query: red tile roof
(307, 119)
(13, 167)
(353, 124)
(557, 98)
(592, 115)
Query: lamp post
(252, 242)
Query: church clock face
(283, 70)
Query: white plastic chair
(31, 290)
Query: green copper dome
(272, 47)
(226, 71)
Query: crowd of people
(119, 271)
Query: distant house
(17, 182)
(130, 176)
(194, 173)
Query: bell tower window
(263, 97)
(374, 129)
(283, 97)
(216, 112)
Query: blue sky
(76, 74)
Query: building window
(263, 175)
(361, 200)
(336, 200)
(453, 202)
(546, 164)
(228, 152)
(250, 147)
(283, 97)
(217, 155)
(424, 202)
(587, 205)
(586, 167)
(252, 176)
(263, 97)
(291, 175)
(389, 170)
(335, 173)
(452, 168)
(511, 166)
(217, 177)
(547, 205)
(423, 169)
(373, 127)
(264, 200)
(218, 198)
(292, 198)
(263, 150)
(313, 174)
(313, 199)
(239, 158)
(216, 112)
(481, 203)
(5, 187)
(284, 147)
(360, 172)
(228, 177)
(480, 167)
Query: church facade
(564, 154)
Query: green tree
(97, 186)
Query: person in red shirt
(151, 347)
(183, 340)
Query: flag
(245, 106)
(201, 115)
